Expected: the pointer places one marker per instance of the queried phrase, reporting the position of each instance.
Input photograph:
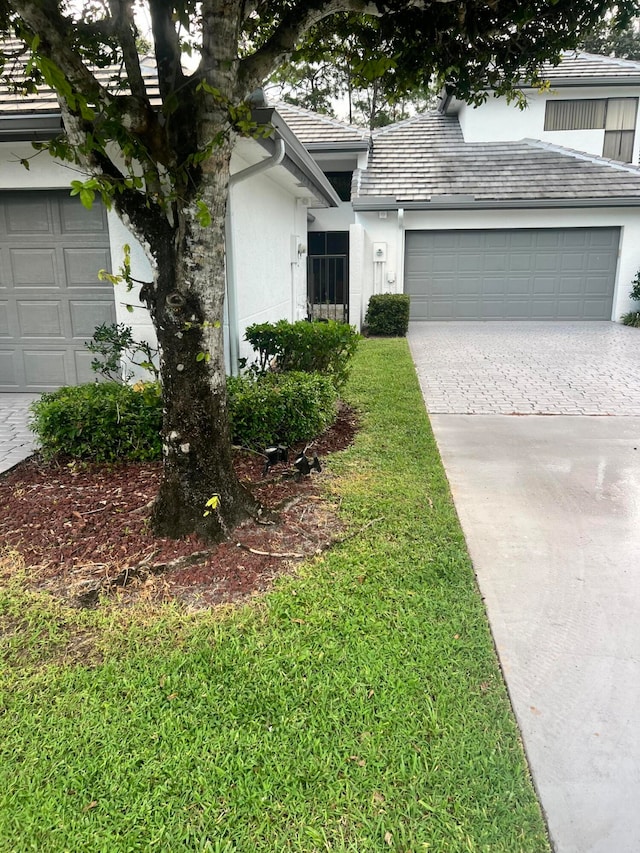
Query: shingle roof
(582, 69)
(312, 128)
(45, 101)
(425, 159)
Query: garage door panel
(517, 286)
(40, 319)
(468, 310)
(543, 285)
(9, 369)
(86, 315)
(493, 240)
(512, 273)
(494, 309)
(82, 266)
(593, 310)
(545, 262)
(28, 215)
(493, 287)
(495, 262)
(594, 285)
(441, 263)
(441, 286)
(4, 320)
(440, 311)
(51, 250)
(34, 268)
(466, 287)
(46, 368)
(83, 369)
(76, 219)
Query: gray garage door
(51, 249)
(524, 274)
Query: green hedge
(105, 422)
(280, 407)
(316, 347)
(109, 422)
(388, 314)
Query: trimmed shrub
(280, 407)
(315, 347)
(388, 314)
(631, 318)
(102, 422)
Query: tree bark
(187, 310)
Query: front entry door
(328, 276)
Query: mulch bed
(83, 529)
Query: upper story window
(616, 116)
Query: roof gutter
(493, 204)
(28, 128)
(298, 155)
(339, 147)
(258, 168)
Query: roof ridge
(616, 60)
(334, 122)
(431, 113)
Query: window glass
(316, 242)
(575, 115)
(337, 242)
(618, 145)
(621, 114)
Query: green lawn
(357, 707)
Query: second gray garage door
(51, 300)
(523, 274)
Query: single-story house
(52, 248)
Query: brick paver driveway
(16, 440)
(528, 368)
(538, 425)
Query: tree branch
(167, 47)
(125, 29)
(295, 22)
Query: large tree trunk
(187, 310)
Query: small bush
(286, 407)
(388, 314)
(103, 422)
(631, 318)
(635, 290)
(113, 346)
(310, 347)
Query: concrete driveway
(550, 507)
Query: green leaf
(203, 214)
(87, 197)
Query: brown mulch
(83, 529)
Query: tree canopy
(161, 156)
(612, 38)
(345, 60)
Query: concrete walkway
(16, 439)
(550, 507)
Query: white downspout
(400, 254)
(232, 295)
